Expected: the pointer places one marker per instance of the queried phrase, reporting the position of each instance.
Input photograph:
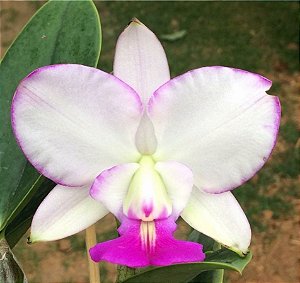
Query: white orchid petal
(74, 121)
(64, 212)
(140, 60)
(217, 121)
(178, 180)
(111, 186)
(220, 217)
(145, 138)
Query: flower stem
(90, 240)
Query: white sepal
(140, 60)
(64, 212)
(220, 217)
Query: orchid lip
(147, 243)
(148, 235)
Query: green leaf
(180, 273)
(210, 276)
(205, 241)
(209, 244)
(60, 32)
(18, 227)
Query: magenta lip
(130, 250)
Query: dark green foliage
(180, 273)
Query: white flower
(148, 149)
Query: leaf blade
(60, 32)
(20, 224)
(180, 273)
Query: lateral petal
(111, 186)
(220, 217)
(140, 60)
(74, 121)
(178, 180)
(64, 212)
(219, 122)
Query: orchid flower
(146, 148)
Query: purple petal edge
(42, 170)
(266, 83)
(263, 80)
(265, 159)
(96, 187)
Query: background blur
(262, 37)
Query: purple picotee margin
(265, 158)
(17, 96)
(97, 186)
(155, 96)
(266, 83)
